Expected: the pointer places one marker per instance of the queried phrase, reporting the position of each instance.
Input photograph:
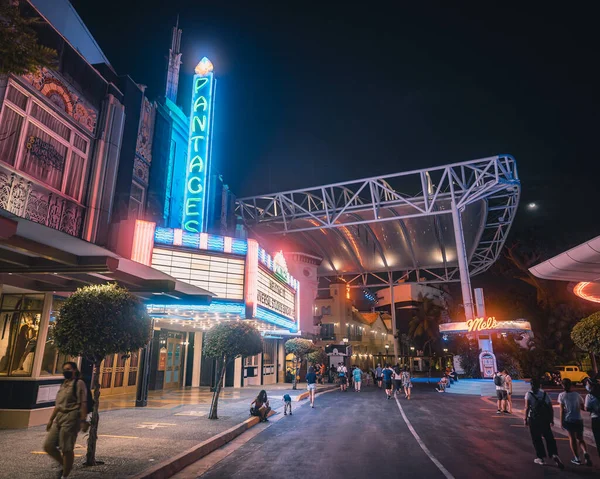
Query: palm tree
(426, 321)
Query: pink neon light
(177, 237)
(143, 242)
(579, 290)
(227, 244)
(251, 278)
(203, 241)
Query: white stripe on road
(426, 450)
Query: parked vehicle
(569, 372)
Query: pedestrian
(311, 385)
(378, 372)
(260, 406)
(387, 374)
(509, 390)
(539, 416)
(571, 404)
(592, 405)
(67, 418)
(332, 374)
(287, 404)
(406, 382)
(500, 392)
(323, 372)
(342, 375)
(357, 373)
(442, 384)
(397, 380)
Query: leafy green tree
(300, 348)
(468, 351)
(586, 336)
(225, 342)
(97, 321)
(317, 356)
(20, 51)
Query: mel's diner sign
(483, 324)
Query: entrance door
(119, 373)
(174, 359)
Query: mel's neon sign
(194, 207)
(482, 324)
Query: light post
(387, 352)
(412, 350)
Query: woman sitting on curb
(260, 406)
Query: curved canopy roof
(397, 224)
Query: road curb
(175, 464)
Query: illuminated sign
(481, 324)
(489, 324)
(275, 295)
(198, 162)
(217, 274)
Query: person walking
(539, 416)
(571, 404)
(357, 373)
(311, 385)
(67, 419)
(406, 382)
(592, 405)
(323, 372)
(378, 377)
(287, 404)
(397, 380)
(500, 392)
(387, 374)
(343, 377)
(509, 389)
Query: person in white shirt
(571, 405)
(343, 376)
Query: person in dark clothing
(260, 406)
(311, 385)
(539, 416)
(592, 405)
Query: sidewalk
(134, 439)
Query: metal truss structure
(489, 186)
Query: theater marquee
(275, 295)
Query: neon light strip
(251, 278)
(216, 306)
(143, 242)
(271, 317)
(579, 290)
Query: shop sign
(198, 164)
(162, 359)
(275, 295)
(482, 324)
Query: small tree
(300, 348)
(225, 342)
(317, 356)
(20, 52)
(586, 336)
(97, 321)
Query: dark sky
(310, 94)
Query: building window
(327, 331)
(325, 310)
(136, 201)
(37, 141)
(20, 317)
(53, 360)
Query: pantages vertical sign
(198, 163)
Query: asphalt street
(363, 435)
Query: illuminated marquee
(275, 295)
(489, 324)
(198, 162)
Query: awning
(37, 258)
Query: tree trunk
(594, 363)
(215, 399)
(294, 379)
(90, 459)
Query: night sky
(310, 94)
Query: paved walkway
(356, 436)
(133, 439)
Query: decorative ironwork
(141, 170)
(35, 203)
(45, 153)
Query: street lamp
(345, 340)
(445, 350)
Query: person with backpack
(539, 416)
(357, 373)
(500, 393)
(397, 380)
(387, 374)
(571, 404)
(68, 417)
(342, 374)
(406, 382)
(592, 405)
(378, 375)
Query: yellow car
(571, 372)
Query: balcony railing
(37, 203)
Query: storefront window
(20, 317)
(53, 360)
